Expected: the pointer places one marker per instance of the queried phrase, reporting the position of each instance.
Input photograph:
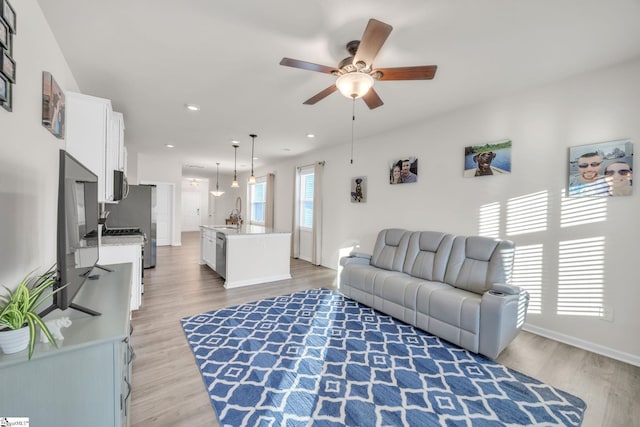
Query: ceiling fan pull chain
(353, 121)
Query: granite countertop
(245, 229)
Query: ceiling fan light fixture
(354, 85)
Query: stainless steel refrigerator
(138, 209)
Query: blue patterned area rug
(316, 358)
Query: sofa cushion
(396, 294)
(390, 249)
(427, 255)
(477, 262)
(455, 316)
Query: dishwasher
(221, 254)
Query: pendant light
(217, 193)
(252, 178)
(235, 184)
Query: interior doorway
(195, 206)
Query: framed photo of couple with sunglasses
(601, 170)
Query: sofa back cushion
(478, 262)
(427, 255)
(390, 249)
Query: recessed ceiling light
(310, 135)
(286, 149)
(169, 145)
(192, 107)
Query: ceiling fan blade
(321, 95)
(423, 72)
(372, 40)
(307, 66)
(372, 99)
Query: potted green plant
(18, 312)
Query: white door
(164, 193)
(191, 211)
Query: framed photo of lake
(493, 158)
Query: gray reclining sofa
(454, 287)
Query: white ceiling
(151, 57)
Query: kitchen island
(246, 255)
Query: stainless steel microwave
(120, 186)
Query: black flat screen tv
(77, 247)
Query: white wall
(543, 123)
(29, 152)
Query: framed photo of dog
(359, 189)
(492, 158)
(601, 170)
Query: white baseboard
(585, 345)
(240, 283)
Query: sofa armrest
(506, 289)
(355, 258)
(503, 311)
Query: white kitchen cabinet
(208, 247)
(115, 152)
(114, 250)
(95, 136)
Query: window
(306, 200)
(258, 195)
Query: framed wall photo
(4, 89)
(9, 15)
(359, 189)
(492, 158)
(8, 104)
(53, 105)
(403, 170)
(7, 66)
(601, 170)
(4, 35)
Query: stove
(121, 231)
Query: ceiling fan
(356, 74)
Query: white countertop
(245, 229)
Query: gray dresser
(86, 380)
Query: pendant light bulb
(235, 184)
(252, 178)
(217, 193)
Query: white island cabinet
(251, 254)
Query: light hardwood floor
(168, 389)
